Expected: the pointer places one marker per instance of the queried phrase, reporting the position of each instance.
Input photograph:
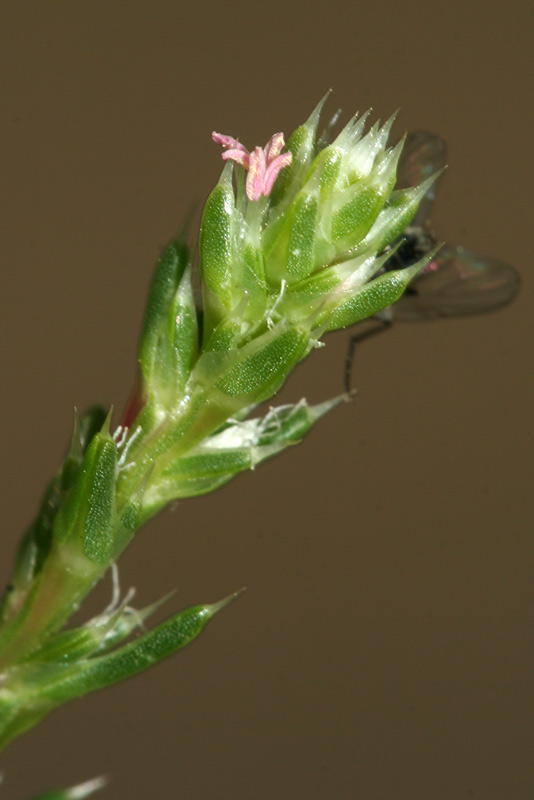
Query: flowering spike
(281, 262)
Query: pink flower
(263, 164)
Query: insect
(457, 282)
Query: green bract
(293, 243)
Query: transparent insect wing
(423, 154)
(458, 282)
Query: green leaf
(289, 424)
(169, 271)
(359, 207)
(250, 281)
(241, 445)
(88, 513)
(225, 336)
(36, 542)
(372, 298)
(98, 543)
(185, 336)
(395, 217)
(32, 690)
(263, 365)
(300, 260)
(289, 245)
(328, 164)
(101, 634)
(217, 251)
(168, 342)
(90, 423)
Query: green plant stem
(56, 594)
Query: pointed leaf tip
(227, 175)
(313, 120)
(323, 408)
(214, 608)
(76, 445)
(106, 427)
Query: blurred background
(383, 648)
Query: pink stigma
(263, 164)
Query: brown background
(383, 649)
